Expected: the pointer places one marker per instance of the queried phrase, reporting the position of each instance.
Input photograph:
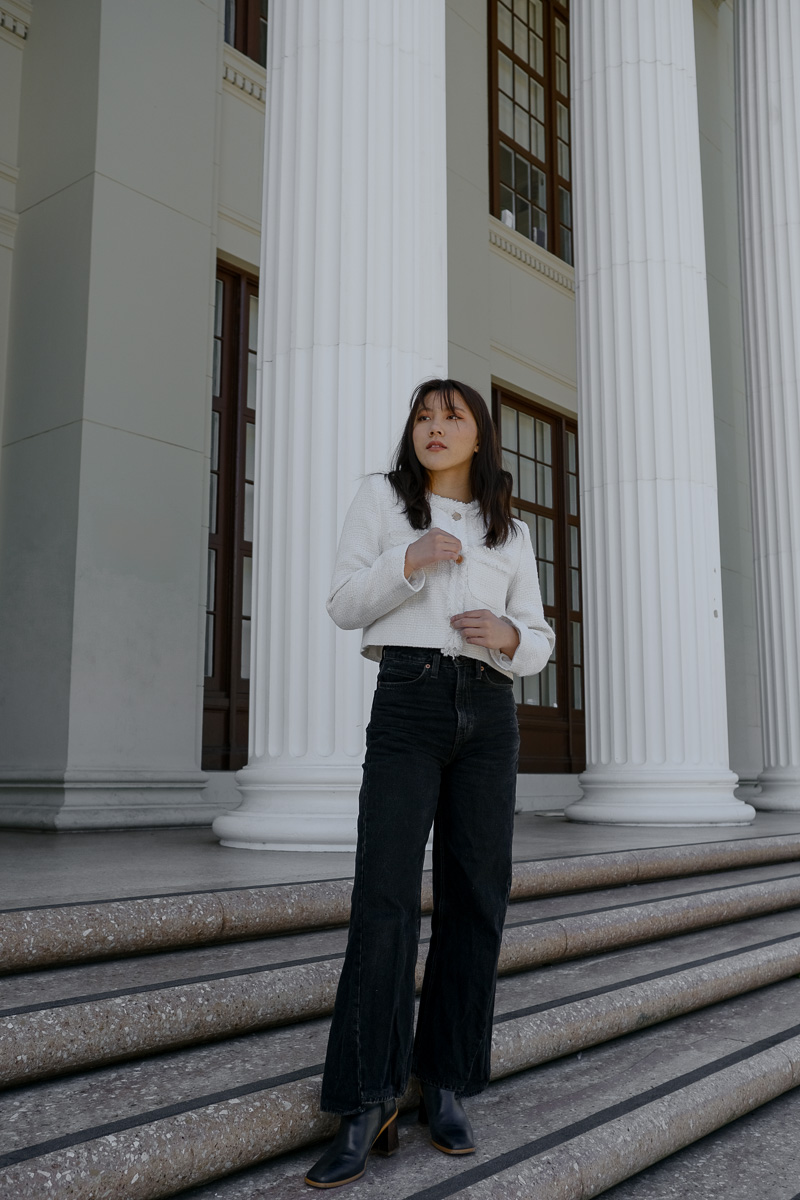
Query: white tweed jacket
(369, 589)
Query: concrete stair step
(570, 1128)
(57, 1036)
(52, 934)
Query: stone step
(570, 1128)
(52, 934)
(40, 1040)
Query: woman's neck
(451, 485)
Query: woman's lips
(436, 446)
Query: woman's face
(444, 440)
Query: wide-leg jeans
(442, 750)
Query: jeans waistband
(432, 655)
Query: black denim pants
(442, 749)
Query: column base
(780, 790)
(293, 808)
(659, 798)
(99, 800)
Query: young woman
(442, 580)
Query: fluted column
(353, 304)
(657, 744)
(768, 112)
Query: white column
(353, 304)
(768, 111)
(657, 748)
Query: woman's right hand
(434, 546)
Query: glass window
(530, 140)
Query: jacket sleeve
(524, 611)
(367, 584)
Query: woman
(442, 580)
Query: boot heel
(423, 1112)
(387, 1142)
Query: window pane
(510, 464)
(544, 540)
(508, 426)
(507, 165)
(575, 590)
(211, 581)
(538, 148)
(217, 379)
(503, 25)
(527, 480)
(530, 684)
(250, 451)
(209, 655)
(536, 53)
(563, 160)
(523, 177)
(507, 206)
(521, 87)
(561, 77)
(576, 642)
(564, 206)
(526, 443)
(561, 38)
(253, 329)
(521, 9)
(543, 441)
(517, 685)
(230, 21)
(566, 245)
(547, 687)
(530, 521)
(522, 217)
(248, 512)
(539, 194)
(577, 688)
(218, 297)
(520, 39)
(535, 15)
(505, 115)
(537, 100)
(540, 223)
(212, 506)
(505, 73)
(544, 485)
(214, 440)
(572, 464)
(563, 121)
(574, 561)
(521, 126)
(247, 586)
(252, 381)
(573, 496)
(245, 668)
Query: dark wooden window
(246, 23)
(230, 536)
(540, 449)
(529, 120)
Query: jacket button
(456, 516)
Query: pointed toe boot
(449, 1125)
(345, 1160)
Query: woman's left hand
(480, 627)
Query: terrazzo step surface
(79, 1109)
(83, 930)
(571, 1128)
(67, 1034)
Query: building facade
(233, 236)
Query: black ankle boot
(450, 1129)
(346, 1158)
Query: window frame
(247, 22)
(553, 9)
(553, 739)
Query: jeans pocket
(402, 672)
(497, 679)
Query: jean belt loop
(436, 658)
(478, 668)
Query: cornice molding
(8, 228)
(243, 73)
(14, 23)
(527, 252)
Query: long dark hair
(490, 484)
